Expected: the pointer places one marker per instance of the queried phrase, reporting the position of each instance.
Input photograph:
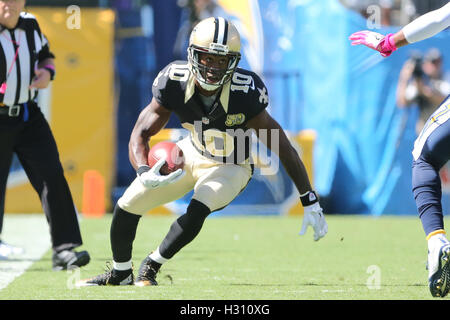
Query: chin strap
(209, 87)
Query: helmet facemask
(201, 71)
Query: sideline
(29, 231)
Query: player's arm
(150, 121)
(294, 166)
(424, 26)
(419, 29)
(285, 151)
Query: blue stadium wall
(316, 80)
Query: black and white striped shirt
(33, 48)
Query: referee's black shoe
(68, 259)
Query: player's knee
(216, 194)
(122, 204)
(127, 207)
(118, 210)
(197, 207)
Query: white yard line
(29, 231)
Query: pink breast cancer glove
(383, 44)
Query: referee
(26, 65)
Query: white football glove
(152, 178)
(313, 216)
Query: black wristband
(142, 169)
(309, 198)
(52, 73)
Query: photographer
(422, 82)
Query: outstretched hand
(376, 41)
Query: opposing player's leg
(216, 187)
(426, 182)
(135, 202)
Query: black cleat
(111, 277)
(68, 259)
(147, 273)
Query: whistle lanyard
(16, 43)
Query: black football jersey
(218, 132)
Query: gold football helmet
(215, 36)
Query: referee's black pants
(29, 136)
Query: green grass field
(252, 258)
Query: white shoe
(7, 250)
(439, 266)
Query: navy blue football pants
(426, 182)
(30, 138)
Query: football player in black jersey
(219, 104)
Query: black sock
(122, 234)
(121, 273)
(184, 229)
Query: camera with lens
(416, 59)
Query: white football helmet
(214, 36)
